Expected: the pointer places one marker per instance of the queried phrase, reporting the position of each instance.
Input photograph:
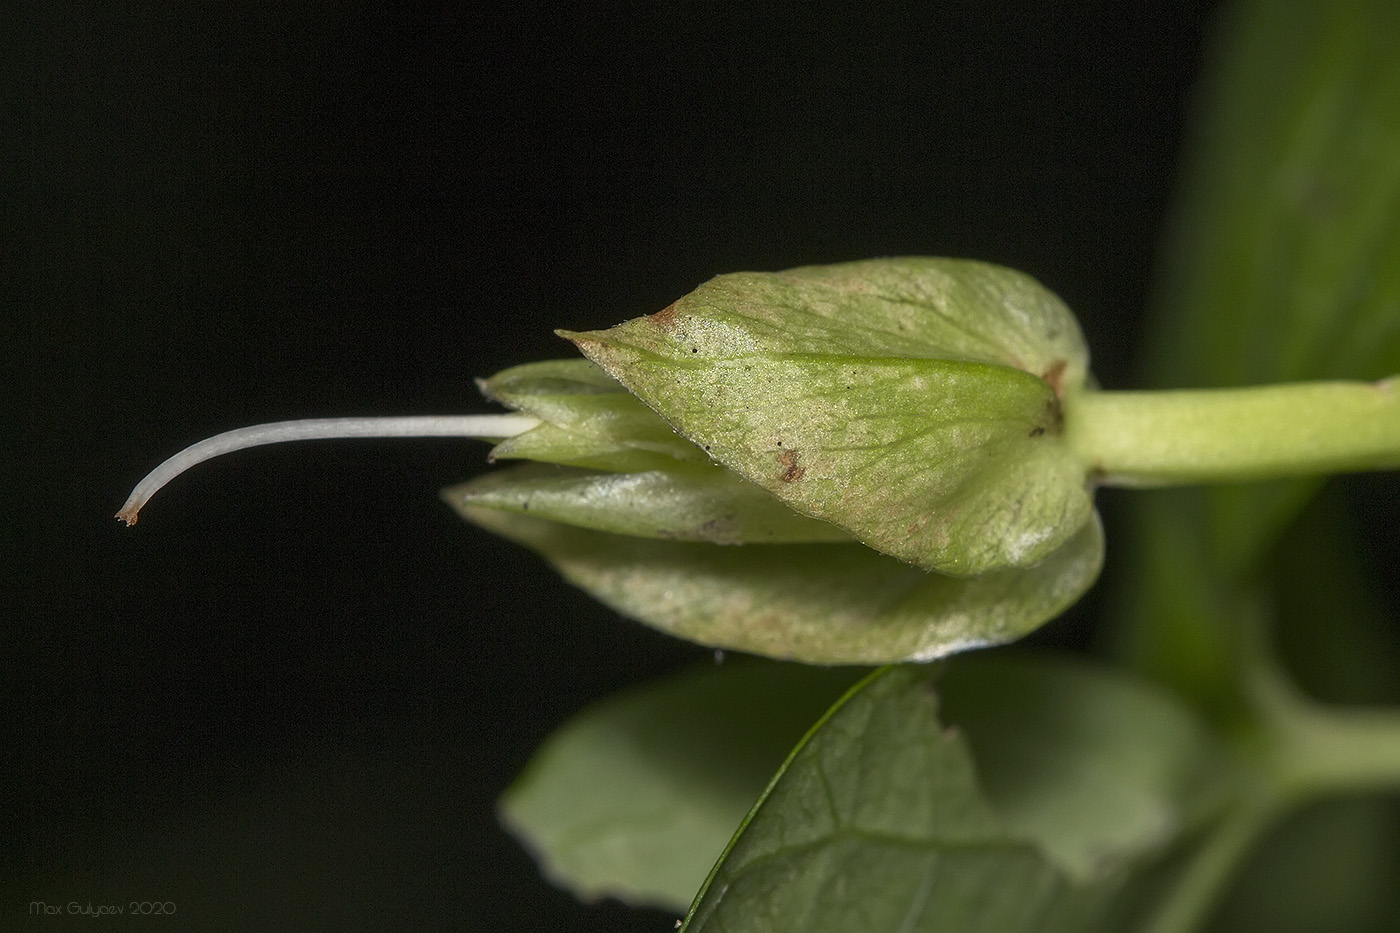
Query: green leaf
(913, 402)
(878, 821)
(875, 823)
(636, 797)
(1282, 264)
(699, 503)
(1099, 768)
(819, 603)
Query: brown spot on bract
(1051, 420)
(791, 471)
(665, 318)
(1055, 376)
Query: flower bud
(883, 438)
(615, 466)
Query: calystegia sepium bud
(857, 463)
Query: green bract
(914, 402)
(885, 437)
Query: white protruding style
(490, 427)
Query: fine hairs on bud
(486, 427)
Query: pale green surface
(910, 401)
(615, 466)
(877, 823)
(589, 420)
(683, 503)
(820, 603)
(636, 797)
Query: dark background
(288, 698)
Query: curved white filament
(482, 426)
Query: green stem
(1235, 435)
(1308, 749)
(1318, 751)
(1188, 902)
(1305, 752)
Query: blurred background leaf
(1283, 263)
(1280, 265)
(1283, 260)
(637, 796)
(1101, 769)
